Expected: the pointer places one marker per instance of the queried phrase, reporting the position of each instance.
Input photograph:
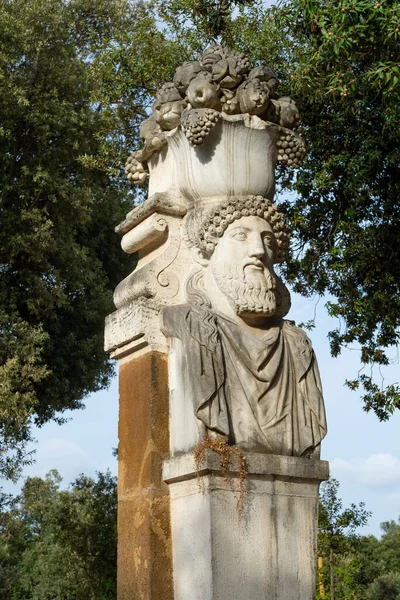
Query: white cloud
(340, 466)
(381, 470)
(378, 470)
(57, 453)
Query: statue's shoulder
(173, 318)
(294, 333)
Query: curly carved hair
(204, 230)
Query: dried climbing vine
(226, 452)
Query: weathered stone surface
(269, 552)
(150, 231)
(224, 164)
(220, 81)
(253, 97)
(202, 92)
(162, 177)
(157, 202)
(184, 75)
(162, 258)
(144, 537)
(137, 324)
(182, 467)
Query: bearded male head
(237, 245)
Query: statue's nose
(257, 248)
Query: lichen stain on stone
(137, 558)
(146, 458)
(157, 527)
(143, 421)
(139, 519)
(160, 405)
(157, 511)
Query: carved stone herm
(251, 375)
(204, 300)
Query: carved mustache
(254, 263)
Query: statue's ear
(200, 257)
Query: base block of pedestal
(267, 553)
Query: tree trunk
(321, 577)
(332, 577)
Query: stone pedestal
(267, 553)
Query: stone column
(268, 551)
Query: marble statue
(242, 371)
(207, 352)
(253, 375)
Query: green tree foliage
(60, 544)
(339, 60)
(200, 20)
(369, 563)
(338, 542)
(390, 546)
(380, 558)
(355, 567)
(59, 257)
(77, 76)
(385, 587)
(346, 76)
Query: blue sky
(364, 454)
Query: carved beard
(248, 295)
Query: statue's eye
(268, 241)
(240, 235)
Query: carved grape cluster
(135, 170)
(242, 61)
(291, 148)
(198, 123)
(217, 221)
(230, 102)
